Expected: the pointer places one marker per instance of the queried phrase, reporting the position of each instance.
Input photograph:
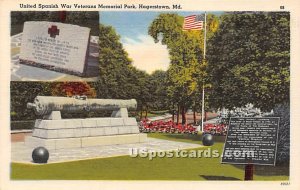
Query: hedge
(21, 125)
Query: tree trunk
(173, 113)
(194, 116)
(146, 112)
(205, 113)
(141, 114)
(178, 111)
(183, 118)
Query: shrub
(283, 143)
(21, 125)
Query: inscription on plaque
(55, 46)
(251, 141)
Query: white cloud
(146, 54)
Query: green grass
(128, 168)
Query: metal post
(249, 171)
(204, 48)
(203, 95)
(202, 111)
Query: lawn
(128, 168)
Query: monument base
(81, 142)
(91, 127)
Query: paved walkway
(21, 153)
(189, 117)
(166, 116)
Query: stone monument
(55, 46)
(53, 132)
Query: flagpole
(204, 53)
(204, 46)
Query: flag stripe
(192, 22)
(200, 26)
(196, 24)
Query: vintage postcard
(148, 94)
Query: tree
(23, 92)
(158, 90)
(113, 64)
(143, 90)
(249, 60)
(184, 54)
(118, 77)
(187, 72)
(283, 142)
(84, 18)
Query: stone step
(53, 144)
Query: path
(22, 154)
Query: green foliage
(187, 73)
(114, 65)
(283, 144)
(249, 60)
(185, 52)
(85, 18)
(24, 92)
(158, 90)
(118, 78)
(21, 125)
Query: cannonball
(40, 155)
(207, 140)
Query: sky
(133, 29)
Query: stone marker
(55, 46)
(53, 132)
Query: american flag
(193, 22)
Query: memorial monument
(55, 46)
(53, 132)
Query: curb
(21, 131)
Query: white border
(188, 5)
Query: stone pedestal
(64, 143)
(72, 133)
(53, 132)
